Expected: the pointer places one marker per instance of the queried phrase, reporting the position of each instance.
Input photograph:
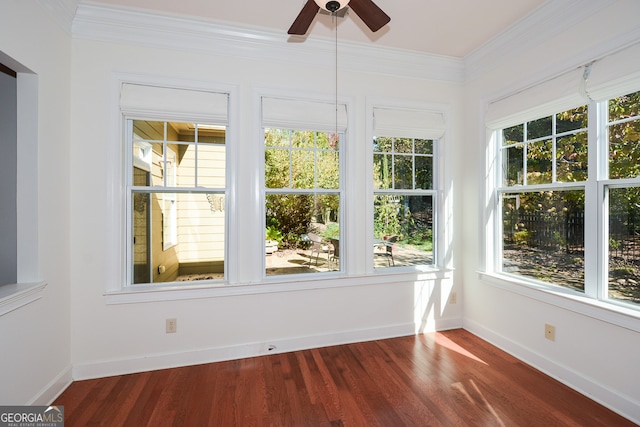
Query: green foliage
(614, 244)
(272, 233)
(332, 231)
(290, 214)
(386, 218)
(522, 236)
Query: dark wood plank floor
(447, 378)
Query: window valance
(408, 123)
(303, 114)
(188, 104)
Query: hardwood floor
(447, 378)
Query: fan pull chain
(335, 19)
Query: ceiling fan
(367, 10)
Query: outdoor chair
(335, 254)
(386, 247)
(318, 246)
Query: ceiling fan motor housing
(332, 5)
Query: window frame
(334, 124)
(117, 274)
(594, 301)
(414, 191)
(442, 195)
(167, 193)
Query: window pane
(302, 169)
(539, 163)
(303, 139)
(403, 230)
(195, 221)
(382, 144)
(624, 150)
(543, 236)
(572, 120)
(328, 141)
(513, 164)
(382, 171)
(539, 128)
(512, 135)
(572, 158)
(403, 145)
(423, 146)
(302, 234)
(277, 171)
(424, 172)
(328, 170)
(624, 106)
(624, 244)
(147, 130)
(277, 137)
(211, 165)
(403, 172)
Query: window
(544, 170)
(404, 160)
(303, 186)
(560, 172)
(176, 184)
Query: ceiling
(442, 27)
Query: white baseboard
(51, 391)
(623, 405)
(106, 368)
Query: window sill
(152, 293)
(566, 299)
(14, 296)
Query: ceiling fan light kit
(332, 6)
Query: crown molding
(131, 26)
(546, 22)
(61, 11)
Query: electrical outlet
(550, 332)
(172, 326)
(453, 298)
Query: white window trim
(325, 121)
(246, 241)
(116, 290)
(587, 303)
(442, 196)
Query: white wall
(594, 356)
(35, 339)
(115, 338)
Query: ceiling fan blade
(304, 18)
(370, 14)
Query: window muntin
(547, 150)
(542, 215)
(177, 189)
(403, 179)
(302, 201)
